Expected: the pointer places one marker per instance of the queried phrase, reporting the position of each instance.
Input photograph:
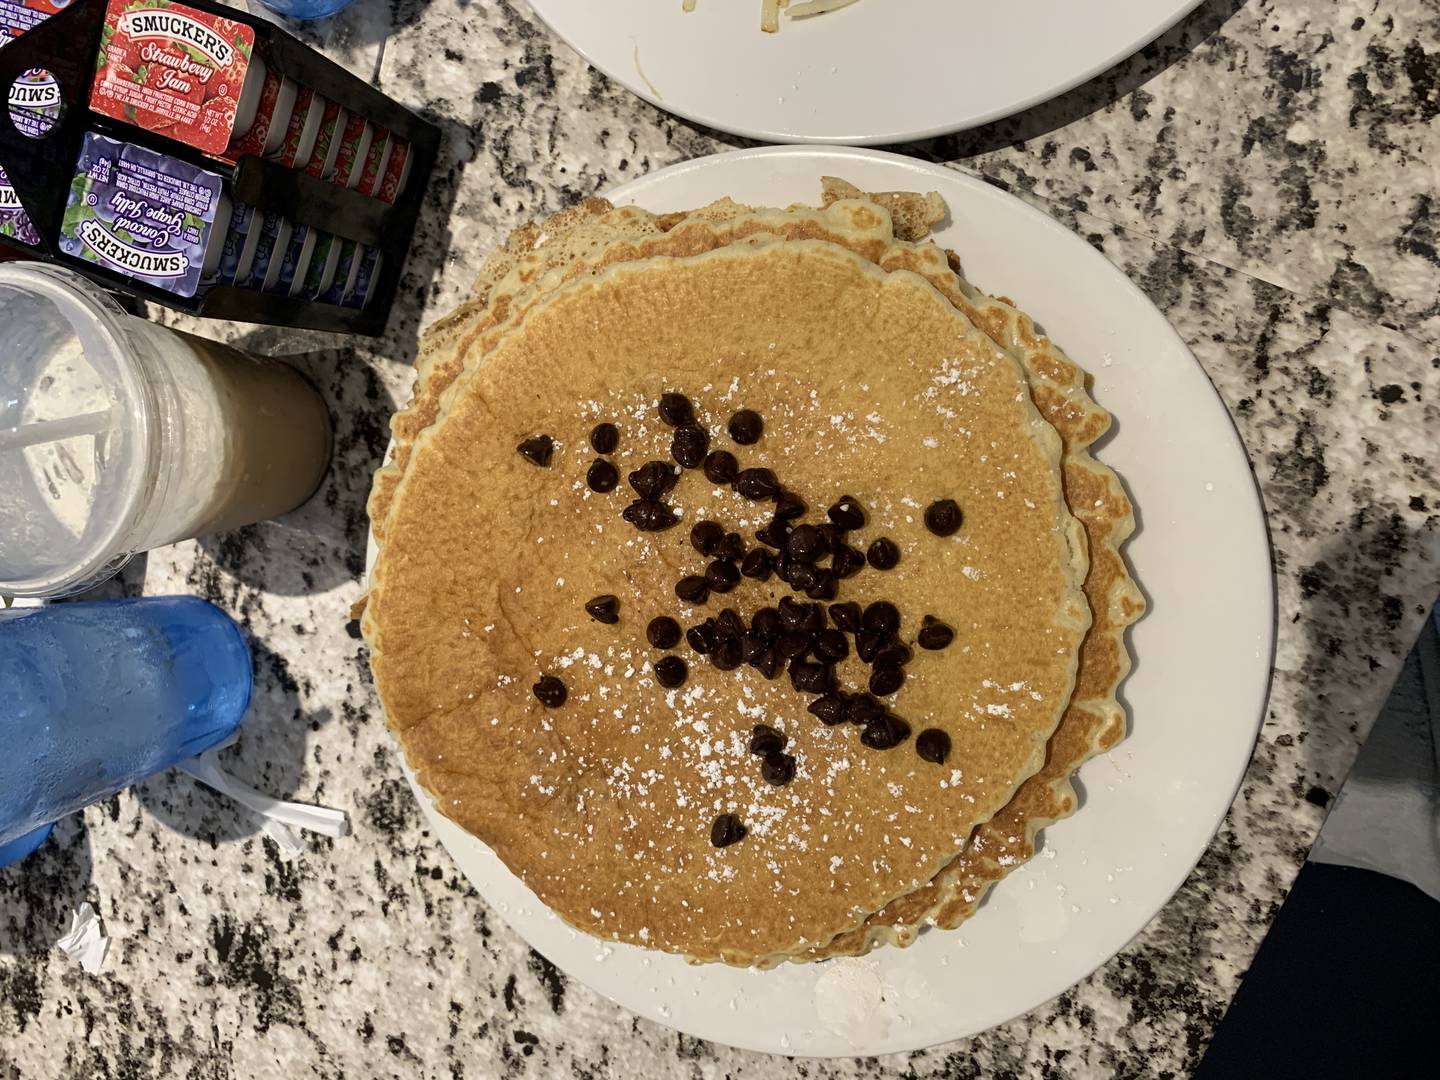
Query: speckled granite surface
(1265, 173)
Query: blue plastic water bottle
(97, 696)
(307, 9)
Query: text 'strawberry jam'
(145, 215)
(178, 71)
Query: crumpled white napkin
(281, 818)
(84, 942)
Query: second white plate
(879, 71)
(1196, 696)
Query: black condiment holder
(41, 169)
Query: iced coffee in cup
(118, 435)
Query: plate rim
(1255, 511)
(786, 136)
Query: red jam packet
(175, 70)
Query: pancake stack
(744, 578)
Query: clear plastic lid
(75, 449)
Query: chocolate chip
(727, 830)
(663, 632)
(705, 537)
(647, 515)
(701, 638)
(868, 644)
(693, 589)
(810, 678)
(752, 645)
(892, 654)
(689, 445)
(778, 769)
(652, 479)
(798, 574)
(766, 623)
(830, 708)
(824, 586)
(605, 609)
(792, 644)
(793, 614)
(764, 739)
(883, 554)
(757, 484)
(884, 681)
(881, 617)
(549, 691)
(846, 616)
(537, 450)
(729, 624)
(732, 547)
(863, 709)
(759, 564)
(789, 506)
(805, 544)
(721, 467)
(767, 662)
(675, 409)
(604, 438)
(728, 653)
(932, 744)
(831, 646)
(942, 517)
(885, 732)
(671, 671)
(722, 576)
(746, 427)
(847, 513)
(847, 561)
(934, 634)
(773, 535)
(602, 476)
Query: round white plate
(1196, 696)
(879, 71)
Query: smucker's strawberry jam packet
(144, 214)
(327, 140)
(178, 71)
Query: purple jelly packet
(295, 261)
(366, 275)
(347, 264)
(238, 236)
(320, 274)
(13, 221)
(272, 238)
(143, 214)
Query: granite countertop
(1265, 173)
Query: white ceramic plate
(1196, 696)
(879, 71)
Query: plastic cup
(95, 697)
(119, 436)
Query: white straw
(317, 819)
(45, 431)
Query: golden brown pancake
(872, 384)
